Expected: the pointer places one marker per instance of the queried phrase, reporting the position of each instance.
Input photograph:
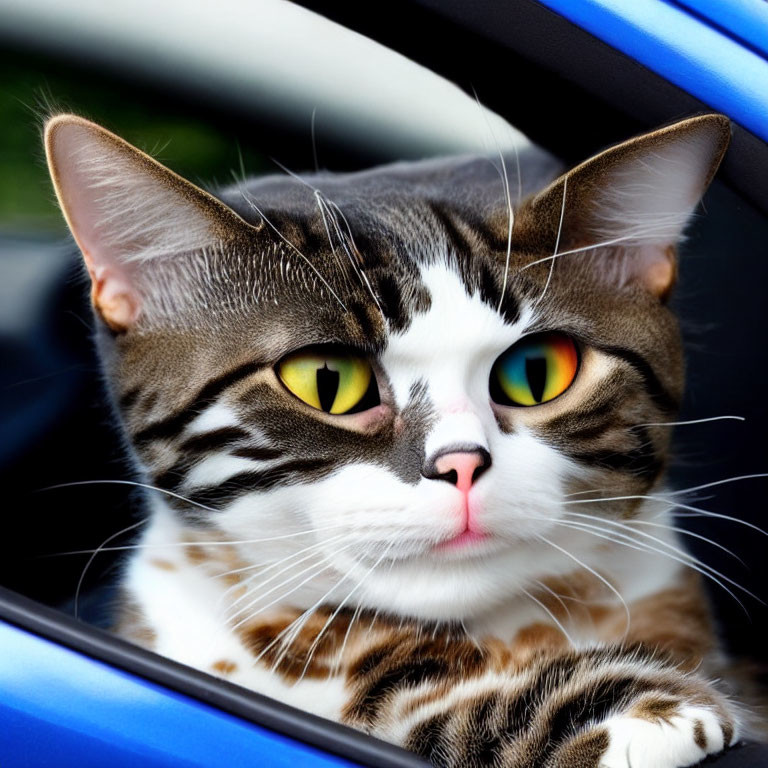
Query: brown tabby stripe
(391, 301)
(555, 714)
(591, 431)
(601, 410)
(584, 750)
(128, 398)
(214, 440)
(655, 389)
(172, 425)
(488, 289)
(593, 703)
(374, 253)
(522, 708)
(457, 223)
(484, 744)
(257, 452)
(385, 669)
(642, 461)
(365, 322)
(494, 237)
(463, 237)
(300, 470)
(427, 739)
(172, 478)
(581, 427)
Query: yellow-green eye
(536, 369)
(334, 381)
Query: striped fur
(314, 557)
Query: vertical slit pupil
(536, 373)
(327, 387)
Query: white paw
(680, 740)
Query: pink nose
(460, 467)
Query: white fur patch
(638, 743)
(217, 416)
(217, 469)
(185, 608)
(451, 347)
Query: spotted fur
(303, 554)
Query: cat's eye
(332, 380)
(537, 369)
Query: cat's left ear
(126, 210)
(634, 198)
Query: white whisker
(213, 543)
(131, 483)
(293, 577)
(676, 504)
(628, 525)
(253, 205)
(282, 597)
(551, 616)
(557, 245)
(340, 656)
(324, 217)
(690, 421)
(330, 208)
(329, 621)
(596, 575)
(507, 200)
(519, 174)
(93, 557)
(314, 139)
(554, 594)
(759, 475)
(311, 549)
(361, 271)
(274, 563)
(289, 633)
(510, 227)
(583, 249)
(689, 561)
(267, 567)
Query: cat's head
(403, 374)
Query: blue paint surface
(745, 20)
(59, 708)
(710, 64)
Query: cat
(407, 431)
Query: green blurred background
(32, 87)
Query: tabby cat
(406, 430)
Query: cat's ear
(636, 198)
(126, 209)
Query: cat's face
(386, 377)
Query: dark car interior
(64, 473)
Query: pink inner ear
(113, 296)
(81, 159)
(654, 266)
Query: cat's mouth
(465, 544)
(465, 540)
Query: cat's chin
(462, 580)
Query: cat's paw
(681, 737)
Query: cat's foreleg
(597, 708)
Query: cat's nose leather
(459, 465)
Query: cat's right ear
(629, 205)
(125, 209)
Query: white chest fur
(185, 609)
